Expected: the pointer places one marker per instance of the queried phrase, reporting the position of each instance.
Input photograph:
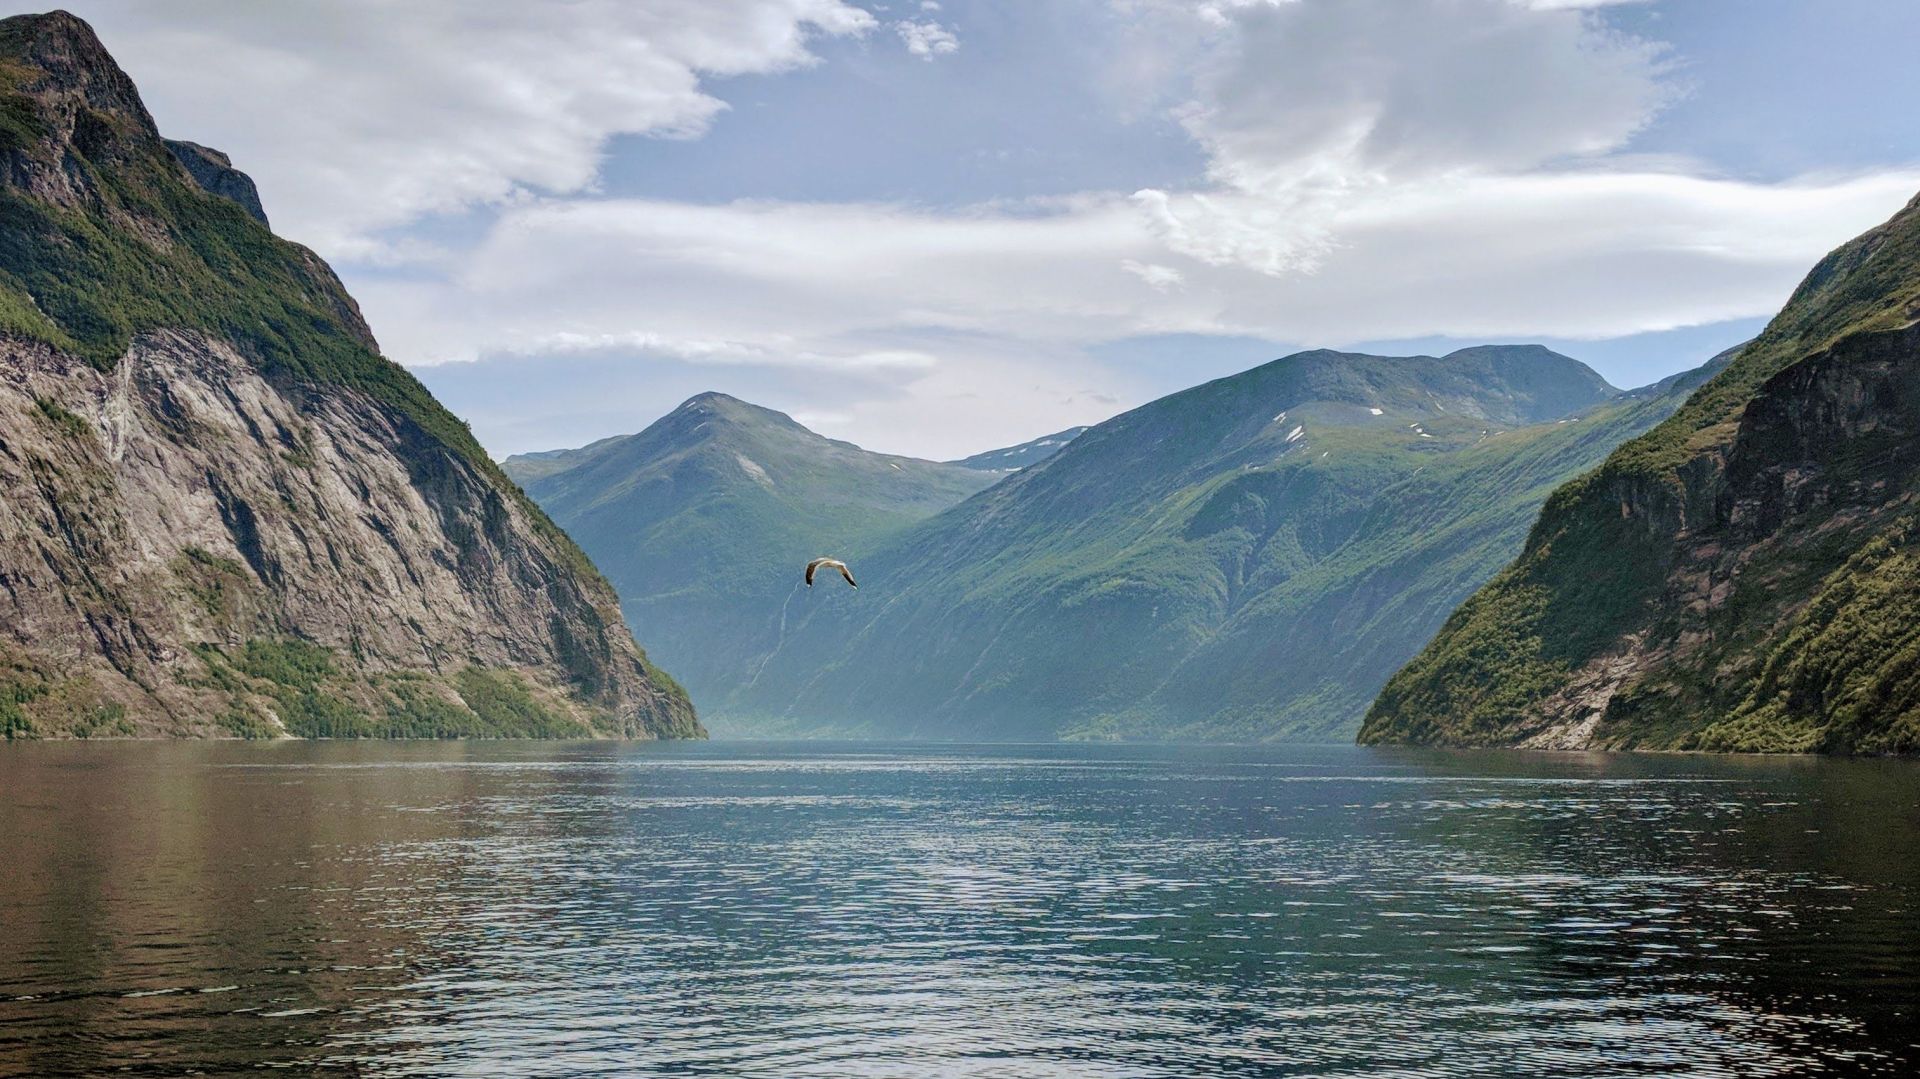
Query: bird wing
(828, 563)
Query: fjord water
(576, 909)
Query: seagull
(828, 563)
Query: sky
(939, 227)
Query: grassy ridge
(1248, 559)
(704, 519)
(88, 284)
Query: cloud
(1388, 90)
(1308, 108)
(1160, 278)
(808, 284)
(965, 328)
(925, 38)
(1547, 5)
(1375, 169)
(356, 116)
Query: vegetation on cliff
(703, 520)
(1248, 559)
(221, 491)
(1737, 578)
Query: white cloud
(925, 38)
(975, 322)
(1160, 278)
(358, 115)
(1375, 169)
(1378, 168)
(812, 284)
(1546, 5)
(1308, 108)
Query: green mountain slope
(224, 512)
(1248, 559)
(1743, 577)
(704, 520)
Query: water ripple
(1001, 911)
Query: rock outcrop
(222, 512)
(1744, 577)
(214, 171)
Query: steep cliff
(223, 511)
(1746, 576)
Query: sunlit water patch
(569, 909)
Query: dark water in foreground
(570, 909)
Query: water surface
(492, 909)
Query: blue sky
(936, 228)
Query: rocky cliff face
(1745, 577)
(214, 171)
(223, 512)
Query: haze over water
(734, 909)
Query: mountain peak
(1546, 383)
(70, 74)
(1514, 357)
(711, 397)
(251, 411)
(56, 34)
(732, 412)
(1509, 384)
(66, 97)
(67, 101)
(1525, 350)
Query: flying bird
(828, 563)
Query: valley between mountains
(227, 514)
(1246, 560)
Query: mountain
(1249, 559)
(225, 512)
(1025, 455)
(1745, 576)
(704, 520)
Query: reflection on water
(529, 909)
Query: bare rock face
(214, 171)
(221, 511)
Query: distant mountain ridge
(1025, 455)
(1248, 559)
(704, 519)
(1745, 576)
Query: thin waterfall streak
(778, 641)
